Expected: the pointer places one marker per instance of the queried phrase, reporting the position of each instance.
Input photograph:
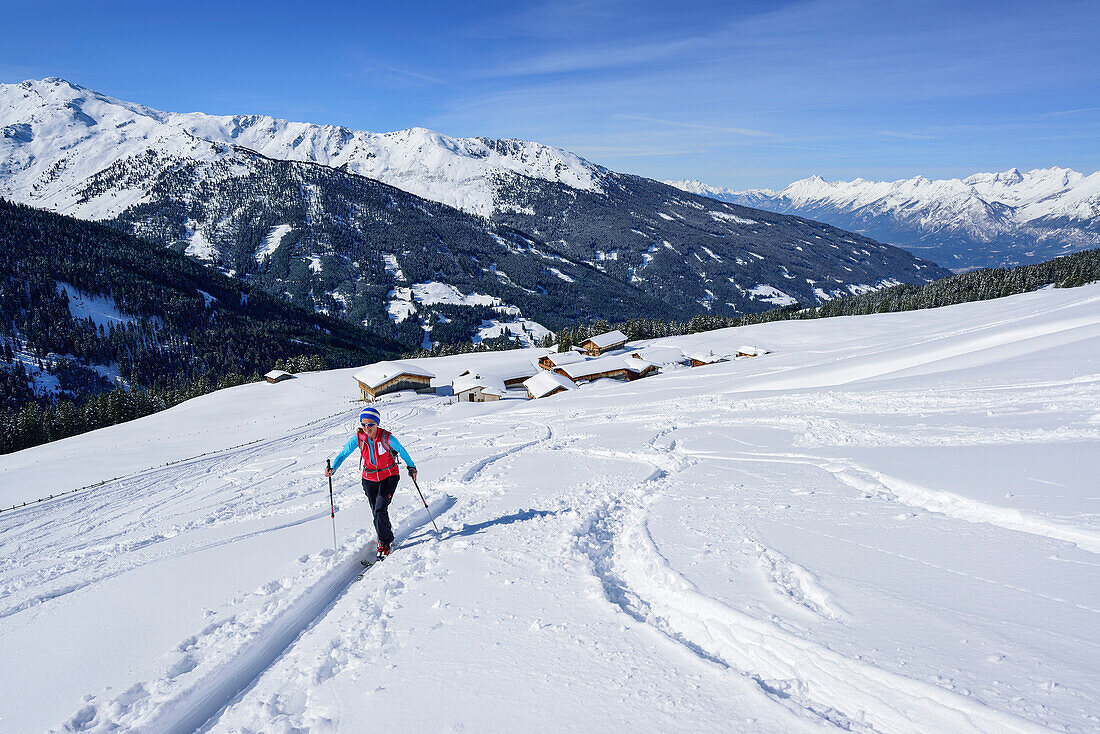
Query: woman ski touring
(380, 471)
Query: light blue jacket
(353, 445)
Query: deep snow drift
(889, 523)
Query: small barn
(700, 359)
(278, 376)
(478, 388)
(601, 343)
(513, 376)
(553, 360)
(545, 384)
(616, 368)
(750, 351)
(516, 376)
(661, 356)
(385, 377)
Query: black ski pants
(379, 495)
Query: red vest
(384, 464)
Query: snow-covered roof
(546, 382)
(707, 357)
(276, 374)
(605, 364)
(751, 350)
(562, 358)
(608, 339)
(660, 355)
(380, 373)
(490, 384)
(519, 370)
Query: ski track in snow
(93, 541)
(477, 467)
(192, 692)
(872, 483)
(961, 508)
(846, 693)
(204, 690)
(792, 580)
(797, 673)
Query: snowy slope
(984, 219)
(54, 135)
(887, 523)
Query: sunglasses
(368, 424)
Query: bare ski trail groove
(208, 698)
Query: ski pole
(426, 506)
(331, 504)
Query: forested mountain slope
(111, 326)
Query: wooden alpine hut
(385, 377)
(601, 343)
(616, 368)
(477, 388)
(661, 356)
(545, 384)
(701, 359)
(553, 360)
(278, 376)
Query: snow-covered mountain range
(987, 219)
(298, 208)
(64, 133)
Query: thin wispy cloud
(698, 126)
(638, 152)
(605, 57)
(1078, 136)
(906, 135)
(396, 74)
(1062, 113)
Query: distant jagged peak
(1035, 207)
(52, 84)
(1039, 192)
(694, 186)
(59, 88)
(1010, 177)
(55, 91)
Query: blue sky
(739, 94)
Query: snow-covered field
(889, 523)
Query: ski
(367, 565)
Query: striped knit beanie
(370, 414)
